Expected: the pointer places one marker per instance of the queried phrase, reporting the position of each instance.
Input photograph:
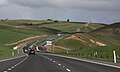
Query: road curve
(49, 63)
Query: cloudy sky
(104, 11)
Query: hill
(109, 34)
(73, 26)
(12, 32)
(97, 44)
(105, 36)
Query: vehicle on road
(32, 52)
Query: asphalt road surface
(49, 63)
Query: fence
(106, 57)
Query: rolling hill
(101, 41)
(11, 31)
(73, 26)
(104, 36)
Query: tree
(68, 20)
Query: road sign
(15, 48)
(48, 42)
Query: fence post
(115, 59)
(13, 53)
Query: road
(49, 63)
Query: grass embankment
(82, 46)
(10, 34)
(84, 51)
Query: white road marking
(21, 61)
(68, 70)
(12, 67)
(59, 64)
(12, 58)
(9, 69)
(99, 63)
(17, 64)
(5, 71)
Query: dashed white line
(68, 70)
(12, 58)
(94, 62)
(12, 67)
(59, 64)
(9, 69)
(16, 65)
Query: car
(32, 52)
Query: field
(73, 27)
(22, 22)
(85, 45)
(11, 33)
(89, 40)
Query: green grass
(5, 52)
(71, 27)
(103, 53)
(81, 50)
(56, 49)
(70, 43)
(20, 22)
(10, 34)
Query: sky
(103, 11)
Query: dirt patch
(19, 26)
(90, 42)
(76, 38)
(62, 47)
(24, 40)
(97, 43)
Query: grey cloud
(73, 4)
(106, 11)
(33, 3)
(3, 3)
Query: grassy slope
(19, 22)
(10, 34)
(109, 35)
(105, 35)
(72, 27)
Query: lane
(49, 63)
(38, 63)
(8, 63)
(81, 66)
